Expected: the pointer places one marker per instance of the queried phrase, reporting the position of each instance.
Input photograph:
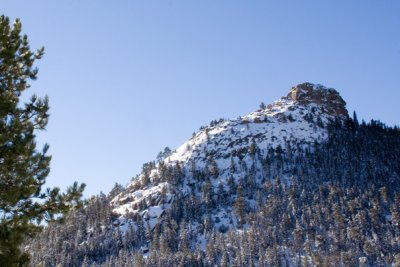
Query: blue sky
(127, 78)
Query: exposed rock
(328, 98)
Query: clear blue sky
(127, 78)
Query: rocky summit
(329, 99)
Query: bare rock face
(329, 99)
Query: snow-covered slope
(292, 122)
(278, 187)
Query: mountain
(291, 123)
(296, 182)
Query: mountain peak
(328, 98)
(226, 149)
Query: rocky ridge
(292, 122)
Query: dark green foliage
(23, 169)
(163, 154)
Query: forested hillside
(296, 183)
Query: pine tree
(355, 119)
(239, 207)
(23, 169)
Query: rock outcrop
(327, 98)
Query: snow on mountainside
(294, 122)
(281, 186)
